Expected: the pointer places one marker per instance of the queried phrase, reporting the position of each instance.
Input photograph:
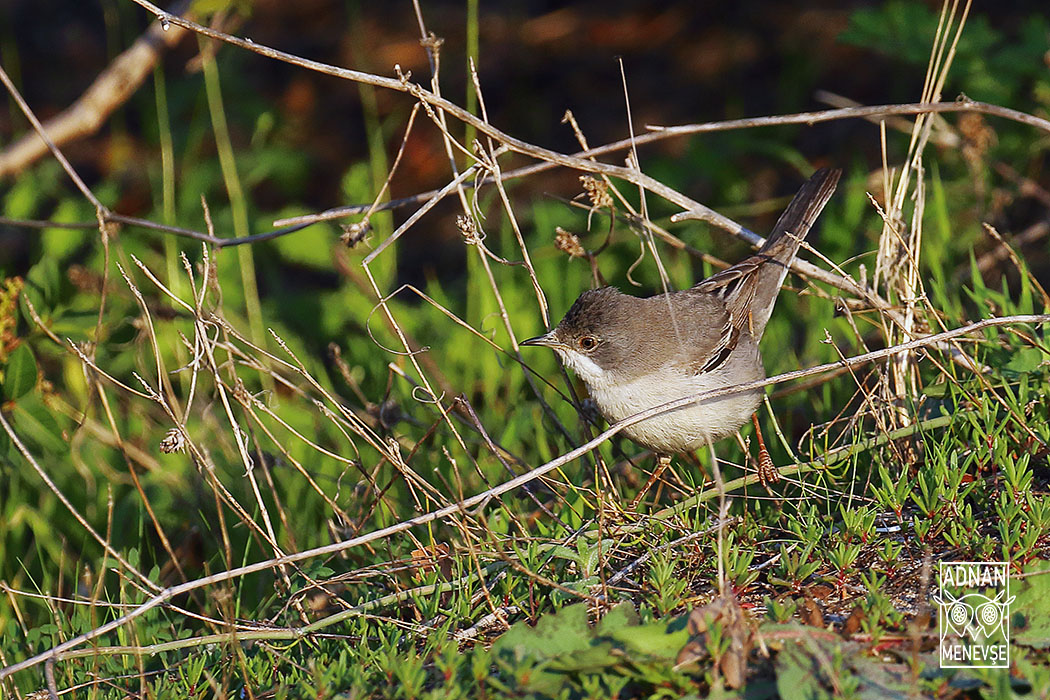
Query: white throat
(584, 367)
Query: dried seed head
(240, 393)
(86, 348)
(469, 229)
(355, 233)
(110, 229)
(597, 191)
(209, 270)
(174, 441)
(978, 137)
(569, 243)
(432, 41)
(84, 279)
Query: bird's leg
(767, 472)
(662, 463)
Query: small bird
(636, 353)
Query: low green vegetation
(166, 422)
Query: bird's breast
(691, 426)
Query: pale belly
(686, 428)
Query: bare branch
(112, 88)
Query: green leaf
(45, 280)
(1026, 360)
(59, 243)
(1030, 611)
(20, 373)
(567, 643)
(357, 183)
(620, 616)
(34, 421)
(661, 640)
(797, 674)
(311, 247)
(22, 200)
(211, 7)
(562, 632)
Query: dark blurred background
(684, 62)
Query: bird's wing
(695, 330)
(750, 288)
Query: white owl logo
(974, 615)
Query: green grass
(817, 587)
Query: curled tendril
(368, 326)
(430, 398)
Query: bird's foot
(767, 471)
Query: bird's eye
(588, 343)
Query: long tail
(750, 287)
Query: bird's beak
(547, 340)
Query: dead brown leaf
(735, 626)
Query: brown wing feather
(750, 288)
